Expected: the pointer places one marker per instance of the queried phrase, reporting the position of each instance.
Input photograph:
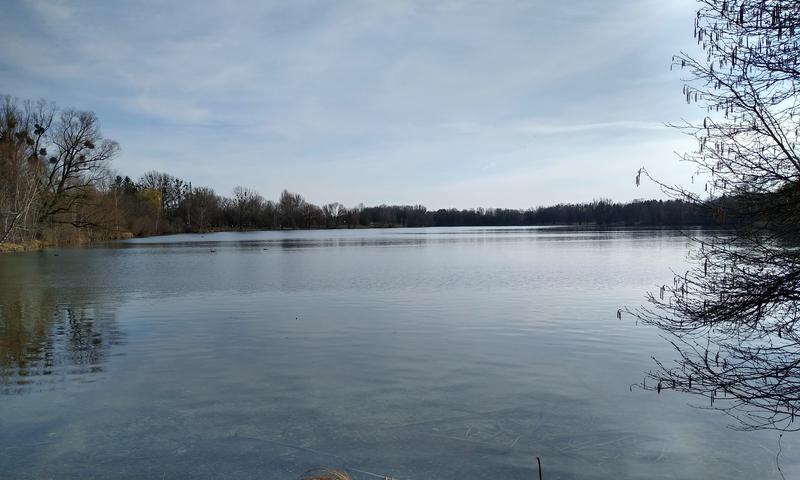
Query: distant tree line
(56, 186)
(160, 203)
(598, 212)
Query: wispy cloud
(338, 98)
(541, 129)
(167, 109)
(51, 10)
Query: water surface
(417, 353)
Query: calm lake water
(458, 353)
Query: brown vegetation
(325, 473)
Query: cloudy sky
(444, 103)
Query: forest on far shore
(57, 186)
(160, 203)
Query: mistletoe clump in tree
(733, 317)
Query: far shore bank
(39, 245)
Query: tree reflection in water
(48, 337)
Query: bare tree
(331, 213)
(204, 203)
(732, 317)
(51, 163)
(23, 130)
(173, 190)
(290, 206)
(312, 215)
(248, 205)
(79, 160)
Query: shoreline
(40, 245)
(35, 246)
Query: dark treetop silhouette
(732, 317)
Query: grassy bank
(19, 247)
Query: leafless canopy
(733, 316)
(51, 162)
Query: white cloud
(375, 101)
(168, 109)
(53, 11)
(538, 128)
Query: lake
(450, 353)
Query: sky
(442, 103)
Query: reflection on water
(418, 353)
(46, 338)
